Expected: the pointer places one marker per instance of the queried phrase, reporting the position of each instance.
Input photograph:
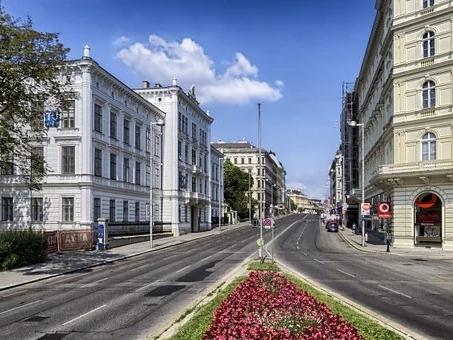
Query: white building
(217, 195)
(98, 159)
(186, 164)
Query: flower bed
(268, 306)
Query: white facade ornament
(86, 51)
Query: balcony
(197, 170)
(424, 167)
(196, 197)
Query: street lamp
(260, 203)
(160, 123)
(250, 196)
(353, 123)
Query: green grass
(263, 266)
(195, 328)
(367, 328)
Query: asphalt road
(416, 292)
(128, 299)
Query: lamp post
(260, 203)
(160, 123)
(250, 197)
(218, 194)
(355, 124)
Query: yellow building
(405, 104)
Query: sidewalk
(376, 244)
(67, 262)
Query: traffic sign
(268, 223)
(260, 242)
(384, 210)
(366, 209)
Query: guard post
(102, 234)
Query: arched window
(429, 94)
(428, 44)
(429, 146)
(428, 3)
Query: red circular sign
(384, 208)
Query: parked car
(332, 226)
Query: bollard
(388, 245)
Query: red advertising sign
(384, 210)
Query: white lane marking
(146, 286)
(182, 269)
(207, 258)
(319, 261)
(395, 291)
(92, 284)
(27, 304)
(4, 296)
(81, 316)
(300, 236)
(346, 273)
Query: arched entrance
(428, 219)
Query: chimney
(158, 85)
(145, 84)
(86, 52)
(174, 81)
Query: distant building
(268, 173)
(217, 195)
(187, 158)
(98, 159)
(303, 202)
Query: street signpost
(366, 209)
(384, 213)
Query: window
(138, 136)
(97, 118)
(179, 121)
(427, 3)
(98, 162)
(194, 157)
(37, 159)
(7, 208)
(179, 213)
(179, 150)
(126, 131)
(235, 161)
(194, 132)
(137, 211)
(126, 170)
(125, 211)
(186, 214)
(138, 173)
(429, 147)
(250, 160)
(7, 165)
(113, 166)
(148, 140)
(242, 160)
(194, 184)
(68, 209)
(428, 44)
(67, 116)
(113, 124)
(97, 209)
(112, 210)
(37, 209)
(68, 160)
(157, 146)
(429, 94)
(186, 153)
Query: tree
(236, 189)
(31, 65)
(292, 205)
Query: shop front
(428, 219)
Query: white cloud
(161, 60)
(279, 83)
(121, 41)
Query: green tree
(293, 205)
(31, 66)
(236, 189)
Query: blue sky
(292, 56)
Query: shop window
(428, 219)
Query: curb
(114, 260)
(383, 321)
(355, 246)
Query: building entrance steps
(74, 261)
